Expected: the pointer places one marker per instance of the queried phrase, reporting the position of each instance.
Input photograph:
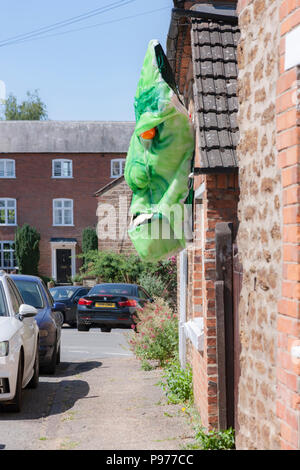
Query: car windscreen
(3, 307)
(111, 289)
(30, 292)
(61, 293)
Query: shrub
(156, 335)
(109, 266)
(178, 383)
(89, 239)
(216, 440)
(27, 249)
(154, 285)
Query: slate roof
(214, 46)
(65, 136)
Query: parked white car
(19, 336)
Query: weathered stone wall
(260, 230)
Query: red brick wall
(219, 205)
(34, 189)
(288, 322)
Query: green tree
(31, 109)
(27, 249)
(89, 239)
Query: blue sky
(89, 74)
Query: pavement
(99, 398)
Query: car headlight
(4, 348)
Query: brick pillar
(288, 145)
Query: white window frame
(12, 257)
(8, 160)
(121, 161)
(6, 209)
(54, 209)
(61, 160)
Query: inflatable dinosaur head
(159, 160)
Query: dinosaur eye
(148, 135)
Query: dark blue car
(69, 296)
(49, 318)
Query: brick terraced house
(49, 172)
(237, 70)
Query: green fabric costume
(157, 170)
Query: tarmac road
(99, 398)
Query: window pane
(1, 168)
(58, 217)
(7, 260)
(57, 168)
(57, 204)
(67, 203)
(123, 166)
(68, 217)
(67, 169)
(2, 203)
(2, 216)
(11, 216)
(10, 168)
(10, 203)
(115, 168)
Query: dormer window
(62, 168)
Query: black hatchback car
(110, 306)
(69, 296)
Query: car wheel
(35, 378)
(81, 327)
(105, 330)
(51, 367)
(16, 404)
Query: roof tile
(215, 84)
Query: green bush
(27, 241)
(154, 285)
(178, 383)
(156, 335)
(109, 266)
(216, 440)
(89, 239)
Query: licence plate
(102, 305)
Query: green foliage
(108, 266)
(27, 249)
(216, 440)
(31, 109)
(156, 335)
(178, 383)
(154, 285)
(89, 239)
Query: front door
(63, 265)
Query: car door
(27, 329)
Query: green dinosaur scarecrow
(159, 160)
